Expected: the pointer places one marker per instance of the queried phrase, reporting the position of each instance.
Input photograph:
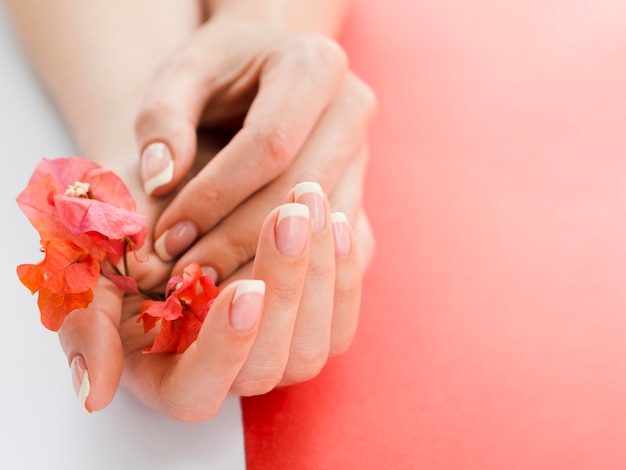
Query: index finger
(297, 82)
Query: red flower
(63, 279)
(188, 300)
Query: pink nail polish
(247, 305)
(311, 195)
(80, 380)
(292, 229)
(341, 233)
(176, 240)
(157, 166)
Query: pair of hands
(298, 114)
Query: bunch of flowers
(87, 222)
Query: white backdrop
(41, 423)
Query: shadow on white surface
(41, 423)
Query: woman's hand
(299, 114)
(278, 329)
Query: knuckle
(259, 383)
(277, 144)
(238, 244)
(305, 366)
(189, 415)
(330, 51)
(348, 288)
(364, 97)
(341, 345)
(316, 52)
(152, 111)
(207, 198)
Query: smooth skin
(105, 72)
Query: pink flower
(73, 196)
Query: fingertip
(167, 143)
(247, 305)
(157, 166)
(94, 350)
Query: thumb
(167, 122)
(91, 341)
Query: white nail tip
(338, 217)
(164, 177)
(291, 210)
(306, 187)
(83, 392)
(249, 286)
(159, 249)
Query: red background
(494, 315)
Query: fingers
(91, 341)
(166, 125)
(193, 386)
(309, 348)
(347, 288)
(282, 262)
(334, 151)
(277, 330)
(275, 128)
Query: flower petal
(81, 215)
(55, 307)
(68, 268)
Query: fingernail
(176, 240)
(247, 305)
(157, 166)
(312, 196)
(80, 380)
(341, 233)
(292, 229)
(211, 272)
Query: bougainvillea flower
(72, 196)
(188, 300)
(55, 307)
(63, 279)
(67, 268)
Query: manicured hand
(299, 309)
(297, 113)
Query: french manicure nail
(80, 380)
(341, 233)
(157, 166)
(292, 229)
(211, 272)
(175, 240)
(312, 196)
(247, 305)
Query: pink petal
(88, 215)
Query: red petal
(55, 307)
(167, 339)
(31, 275)
(169, 310)
(68, 269)
(189, 332)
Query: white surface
(41, 422)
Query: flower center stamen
(78, 189)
